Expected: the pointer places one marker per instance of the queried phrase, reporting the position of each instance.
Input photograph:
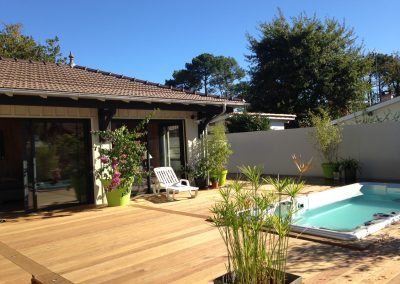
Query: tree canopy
(384, 76)
(393, 78)
(208, 72)
(300, 65)
(14, 44)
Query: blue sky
(150, 39)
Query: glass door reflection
(59, 163)
(171, 147)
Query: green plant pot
(328, 169)
(120, 196)
(222, 177)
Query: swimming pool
(349, 212)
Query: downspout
(218, 115)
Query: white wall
(277, 124)
(376, 146)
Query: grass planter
(289, 279)
(255, 227)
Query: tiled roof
(59, 78)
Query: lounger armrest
(184, 181)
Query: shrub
(244, 122)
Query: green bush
(244, 122)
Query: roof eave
(102, 97)
(368, 109)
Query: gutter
(76, 96)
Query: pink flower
(114, 163)
(104, 159)
(115, 181)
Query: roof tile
(40, 76)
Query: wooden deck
(152, 241)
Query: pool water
(349, 214)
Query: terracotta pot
(214, 184)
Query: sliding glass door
(44, 163)
(165, 141)
(59, 164)
(171, 146)
(11, 166)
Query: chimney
(71, 60)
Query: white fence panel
(376, 146)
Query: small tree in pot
(198, 166)
(218, 152)
(327, 138)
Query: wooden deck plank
(12, 272)
(150, 272)
(152, 254)
(40, 272)
(166, 242)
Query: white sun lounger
(167, 179)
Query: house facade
(47, 114)
(387, 110)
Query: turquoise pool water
(351, 213)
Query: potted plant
(197, 172)
(198, 167)
(349, 167)
(327, 139)
(214, 181)
(121, 161)
(255, 227)
(218, 150)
